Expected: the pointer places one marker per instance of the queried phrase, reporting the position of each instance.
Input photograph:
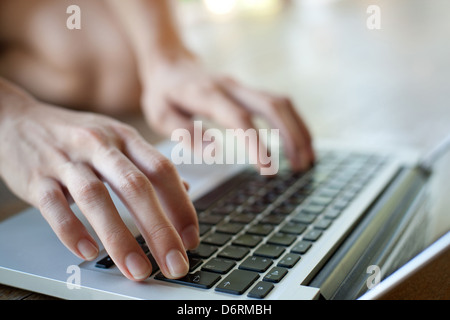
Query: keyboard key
(237, 199)
(295, 199)
(223, 210)
(282, 239)
(323, 224)
(140, 239)
(233, 252)
(274, 219)
(284, 209)
(217, 239)
(155, 266)
(199, 279)
(333, 213)
(194, 263)
(261, 290)
(315, 209)
(328, 193)
(247, 240)
(218, 265)
(216, 194)
(269, 251)
(289, 260)
(312, 235)
(203, 251)
(301, 247)
(230, 227)
(210, 218)
(293, 228)
(237, 282)
(305, 218)
(275, 274)
(256, 207)
(204, 228)
(105, 263)
(258, 264)
(321, 201)
(341, 204)
(243, 217)
(260, 229)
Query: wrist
(13, 102)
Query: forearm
(151, 29)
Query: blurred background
(377, 86)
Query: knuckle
(91, 192)
(64, 226)
(279, 102)
(135, 183)
(162, 166)
(243, 115)
(114, 236)
(159, 232)
(92, 135)
(48, 199)
(126, 130)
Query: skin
(58, 90)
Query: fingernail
(178, 266)
(87, 249)
(138, 266)
(190, 237)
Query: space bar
(199, 279)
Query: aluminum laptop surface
(32, 258)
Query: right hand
(50, 156)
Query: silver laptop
(329, 233)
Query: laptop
(328, 233)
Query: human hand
(50, 155)
(176, 89)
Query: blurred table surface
(387, 86)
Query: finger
(165, 118)
(54, 207)
(169, 120)
(281, 114)
(186, 185)
(300, 146)
(137, 193)
(210, 101)
(94, 201)
(170, 188)
(306, 132)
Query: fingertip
(186, 185)
(87, 249)
(177, 264)
(138, 266)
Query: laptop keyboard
(254, 229)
